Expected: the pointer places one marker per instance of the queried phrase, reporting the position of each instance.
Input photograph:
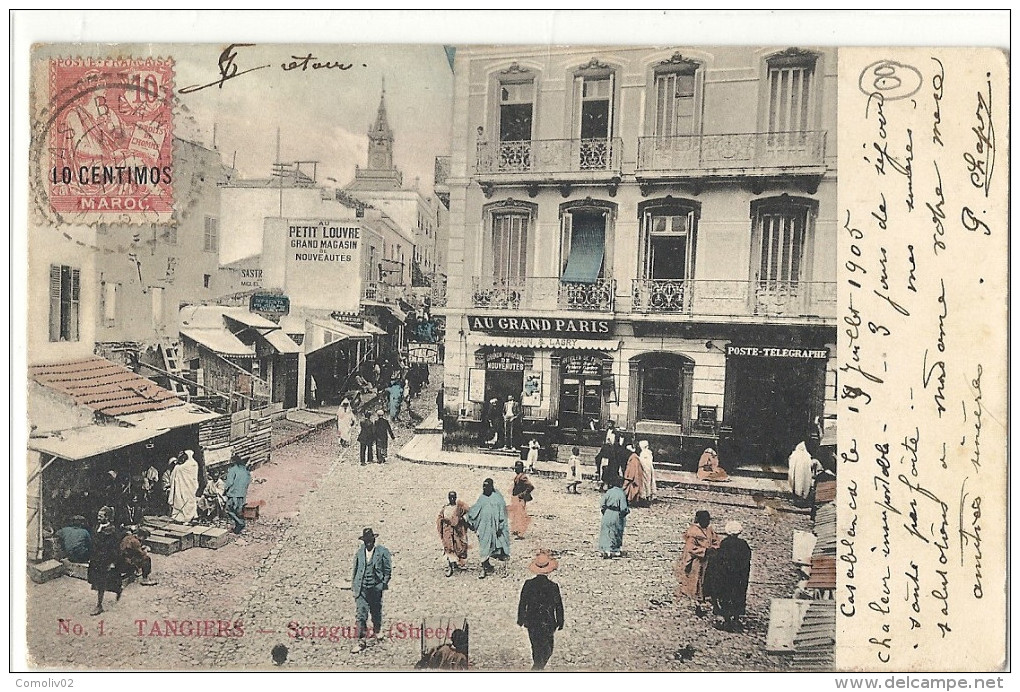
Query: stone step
(42, 572)
(778, 473)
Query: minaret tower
(381, 173)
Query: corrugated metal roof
(219, 340)
(823, 572)
(815, 642)
(281, 342)
(248, 318)
(104, 386)
(825, 491)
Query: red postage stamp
(110, 138)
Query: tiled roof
(104, 386)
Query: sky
(322, 115)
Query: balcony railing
(548, 156)
(383, 292)
(710, 298)
(543, 293)
(730, 153)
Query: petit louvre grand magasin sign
(573, 327)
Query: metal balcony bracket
(565, 189)
(532, 190)
(488, 189)
(645, 188)
(614, 185)
(809, 184)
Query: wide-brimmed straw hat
(543, 563)
(368, 533)
(733, 528)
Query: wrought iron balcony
(543, 293)
(756, 153)
(380, 291)
(544, 157)
(711, 298)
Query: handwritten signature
(229, 69)
(981, 161)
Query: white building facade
(648, 237)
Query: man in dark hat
(373, 565)
(541, 608)
(383, 434)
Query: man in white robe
(183, 489)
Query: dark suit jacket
(367, 432)
(541, 606)
(382, 429)
(381, 567)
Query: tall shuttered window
(782, 229)
(212, 234)
(510, 244)
(516, 110)
(65, 295)
(675, 88)
(791, 79)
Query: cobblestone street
(293, 566)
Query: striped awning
(587, 247)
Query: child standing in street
(533, 448)
(574, 471)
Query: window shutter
(612, 104)
(54, 302)
(578, 103)
(566, 236)
(75, 303)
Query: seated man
(449, 656)
(211, 504)
(134, 556)
(76, 540)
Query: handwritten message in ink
(922, 359)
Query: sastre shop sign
(572, 327)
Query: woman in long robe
(634, 479)
(614, 520)
(650, 489)
(104, 570)
(183, 486)
(709, 469)
(346, 423)
(699, 542)
(452, 529)
(519, 499)
(799, 472)
(727, 576)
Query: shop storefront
(774, 397)
(559, 370)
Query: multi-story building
(325, 255)
(646, 236)
(146, 272)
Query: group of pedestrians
(373, 433)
